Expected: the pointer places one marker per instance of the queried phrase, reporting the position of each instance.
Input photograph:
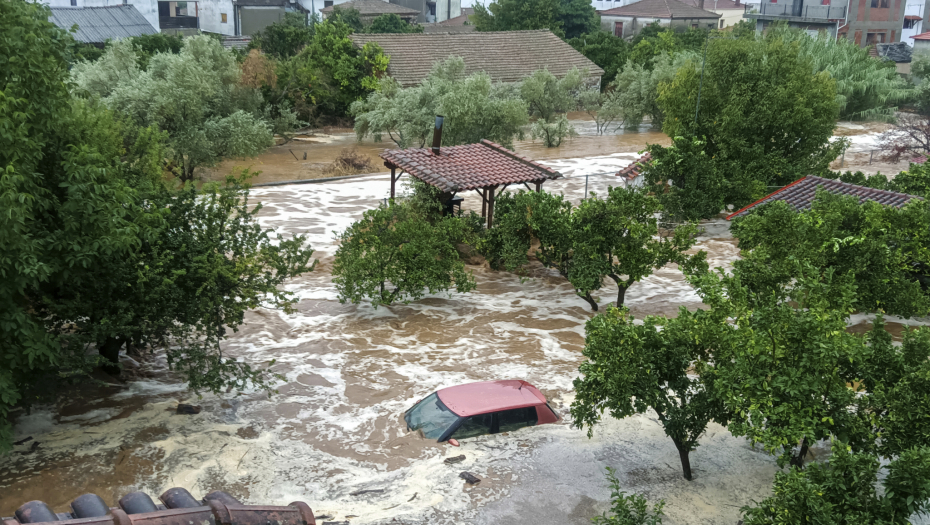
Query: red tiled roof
(659, 9)
(920, 159)
(922, 36)
(717, 5)
(801, 193)
(635, 169)
(912, 17)
(468, 167)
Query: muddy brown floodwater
(350, 371)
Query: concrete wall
(148, 8)
(446, 9)
(211, 19)
(922, 46)
(812, 28)
(865, 19)
(631, 24)
(729, 17)
(253, 19)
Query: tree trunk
(683, 452)
(587, 297)
(798, 461)
(110, 351)
(621, 294)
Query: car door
(474, 426)
(515, 419)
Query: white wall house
(913, 20)
(148, 8)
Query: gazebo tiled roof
(635, 169)
(801, 193)
(468, 167)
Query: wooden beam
(484, 202)
(491, 206)
(538, 187)
(393, 180)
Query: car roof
(490, 396)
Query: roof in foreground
(468, 167)
(635, 168)
(801, 193)
(922, 36)
(507, 56)
(490, 396)
(96, 25)
(660, 9)
(373, 7)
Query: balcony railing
(798, 10)
(177, 22)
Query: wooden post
(538, 187)
(392, 181)
(491, 206)
(484, 202)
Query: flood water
(335, 426)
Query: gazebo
(485, 167)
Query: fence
(798, 9)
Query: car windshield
(430, 417)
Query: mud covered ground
(335, 426)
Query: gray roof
(896, 52)
(659, 9)
(507, 56)
(96, 25)
(373, 8)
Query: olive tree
(549, 98)
(662, 364)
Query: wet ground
(335, 426)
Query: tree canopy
(391, 23)
(565, 18)
(284, 39)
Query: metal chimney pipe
(437, 134)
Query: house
(632, 174)
(459, 24)
(921, 42)
(897, 52)
(96, 25)
(626, 21)
(730, 11)
(370, 9)
(147, 8)
(801, 193)
(507, 56)
(913, 24)
(865, 22)
(433, 11)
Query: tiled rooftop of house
(507, 56)
(635, 169)
(801, 193)
(922, 36)
(96, 25)
(373, 8)
(659, 9)
(468, 167)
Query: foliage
(909, 136)
(194, 96)
(578, 18)
(631, 368)
(630, 509)
(920, 74)
(655, 41)
(607, 51)
(762, 112)
(147, 46)
(329, 74)
(914, 181)
(258, 71)
(885, 250)
(686, 180)
(638, 88)
(348, 162)
(865, 88)
(517, 15)
(393, 253)
(80, 51)
(348, 16)
(783, 366)
(616, 237)
(475, 108)
(842, 491)
(284, 39)
(602, 106)
(391, 23)
(548, 99)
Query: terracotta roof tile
(470, 166)
(801, 193)
(922, 36)
(635, 169)
(912, 17)
(507, 56)
(659, 9)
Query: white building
(913, 20)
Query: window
(222, 18)
(510, 420)
(909, 24)
(824, 2)
(74, 3)
(474, 426)
(721, 24)
(327, 3)
(874, 38)
(879, 3)
(618, 29)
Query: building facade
(914, 17)
(865, 22)
(628, 20)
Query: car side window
(510, 420)
(474, 426)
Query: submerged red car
(476, 409)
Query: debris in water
(413, 498)
(370, 491)
(33, 448)
(469, 478)
(249, 432)
(335, 523)
(453, 460)
(24, 440)
(188, 409)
